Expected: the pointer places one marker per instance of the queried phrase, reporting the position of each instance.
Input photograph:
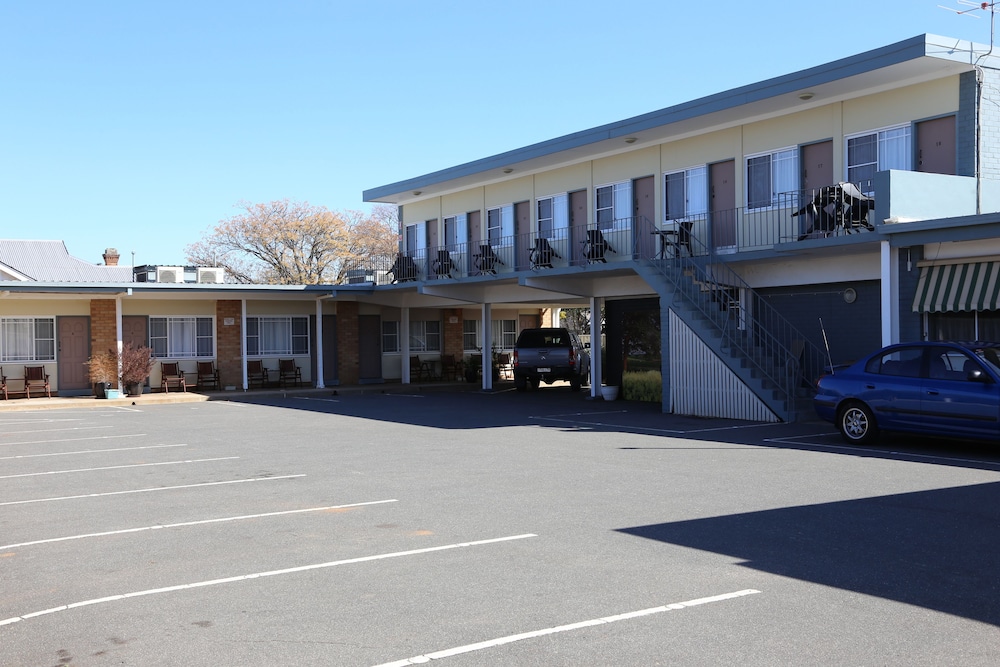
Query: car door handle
(931, 392)
(869, 386)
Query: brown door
(369, 348)
(432, 238)
(817, 166)
(577, 225)
(722, 193)
(643, 210)
(73, 350)
(522, 237)
(474, 236)
(936, 146)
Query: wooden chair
(256, 373)
(208, 374)
(36, 378)
(450, 369)
(171, 375)
(505, 368)
(289, 372)
(420, 370)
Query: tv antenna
(970, 7)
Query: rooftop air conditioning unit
(211, 275)
(359, 276)
(169, 274)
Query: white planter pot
(609, 393)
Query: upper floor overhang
(909, 62)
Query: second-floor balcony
(837, 213)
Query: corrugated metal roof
(49, 261)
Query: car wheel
(857, 424)
(520, 383)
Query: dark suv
(550, 354)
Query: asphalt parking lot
(471, 528)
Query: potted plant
(103, 368)
(136, 362)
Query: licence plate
(544, 370)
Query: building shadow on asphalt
(933, 549)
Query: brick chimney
(111, 257)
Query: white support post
(889, 274)
(319, 344)
(119, 344)
(487, 324)
(404, 344)
(243, 343)
(595, 346)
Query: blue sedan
(950, 389)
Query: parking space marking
(260, 575)
(86, 451)
(37, 421)
(50, 430)
(629, 427)
(149, 490)
(201, 522)
(321, 400)
(121, 467)
(96, 437)
(492, 643)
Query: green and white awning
(958, 287)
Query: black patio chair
(404, 269)
(595, 246)
(443, 266)
(486, 260)
(542, 254)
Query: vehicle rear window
(542, 338)
(900, 363)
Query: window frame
(690, 178)
(558, 218)
(778, 182)
(293, 337)
(174, 349)
(38, 354)
(391, 342)
(620, 196)
(500, 234)
(421, 339)
(880, 161)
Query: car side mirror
(977, 376)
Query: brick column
(452, 343)
(227, 342)
(103, 327)
(348, 348)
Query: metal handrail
(776, 349)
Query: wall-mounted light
(850, 295)
(630, 140)
(805, 97)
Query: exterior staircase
(772, 358)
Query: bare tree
(373, 239)
(280, 242)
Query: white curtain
(17, 339)
(894, 149)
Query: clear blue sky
(140, 125)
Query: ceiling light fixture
(805, 97)
(417, 193)
(630, 140)
(507, 170)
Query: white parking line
(50, 430)
(155, 488)
(121, 467)
(258, 575)
(37, 421)
(86, 451)
(185, 524)
(469, 648)
(45, 442)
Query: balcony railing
(794, 216)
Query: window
(390, 336)
(904, 362)
(470, 335)
(686, 193)
(553, 215)
(877, 151)
(182, 337)
(416, 238)
(27, 339)
(277, 336)
(613, 205)
(504, 334)
(500, 225)
(771, 174)
(425, 336)
(455, 232)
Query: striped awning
(958, 287)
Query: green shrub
(642, 386)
